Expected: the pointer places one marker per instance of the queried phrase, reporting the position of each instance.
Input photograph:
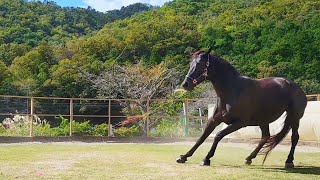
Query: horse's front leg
(229, 129)
(213, 122)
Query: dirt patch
(160, 140)
(286, 148)
(55, 165)
(250, 145)
(163, 167)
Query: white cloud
(105, 5)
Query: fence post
(109, 119)
(71, 117)
(318, 97)
(201, 122)
(185, 118)
(31, 116)
(148, 120)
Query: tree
(3, 71)
(135, 81)
(30, 71)
(128, 11)
(12, 50)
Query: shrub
(168, 128)
(2, 130)
(16, 126)
(19, 126)
(81, 128)
(173, 128)
(78, 128)
(101, 130)
(45, 130)
(194, 131)
(127, 131)
(64, 127)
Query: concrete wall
(309, 129)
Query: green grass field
(146, 161)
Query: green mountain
(261, 38)
(25, 24)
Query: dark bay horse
(242, 101)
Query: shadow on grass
(312, 170)
(298, 169)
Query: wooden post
(71, 117)
(148, 120)
(318, 97)
(109, 119)
(31, 116)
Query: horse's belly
(266, 117)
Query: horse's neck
(225, 86)
(224, 78)
(222, 90)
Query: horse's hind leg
(294, 114)
(294, 142)
(265, 136)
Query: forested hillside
(24, 25)
(45, 48)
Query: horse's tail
(274, 140)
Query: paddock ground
(82, 160)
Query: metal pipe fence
(313, 97)
(109, 110)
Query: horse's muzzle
(187, 85)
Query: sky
(105, 5)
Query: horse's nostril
(185, 84)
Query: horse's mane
(225, 64)
(197, 54)
(221, 62)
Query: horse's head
(198, 71)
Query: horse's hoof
(181, 159)
(248, 162)
(289, 165)
(205, 163)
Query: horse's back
(273, 90)
(278, 87)
(274, 96)
(284, 87)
